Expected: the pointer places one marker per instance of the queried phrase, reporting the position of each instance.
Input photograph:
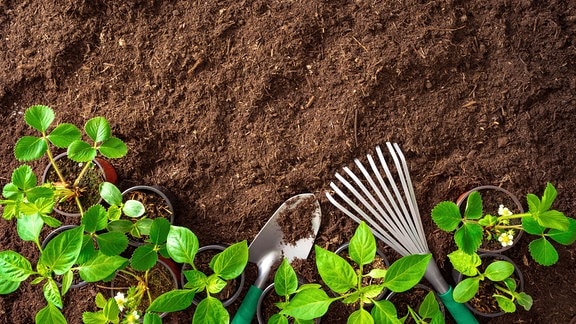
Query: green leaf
(111, 310)
(377, 273)
(143, 226)
(384, 312)
(63, 250)
(7, 286)
(210, 310)
(469, 237)
(113, 148)
(446, 215)
(100, 267)
(14, 266)
(159, 231)
(524, 300)
(172, 301)
(429, 306)
(36, 193)
(336, 272)
(533, 203)
(80, 151)
(553, 219)
(564, 237)
(531, 226)
(29, 148)
(51, 221)
(64, 134)
(505, 304)
(88, 251)
(466, 289)
(114, 213)
(24, 178)
(308, 304)
(98, 129)
(465, 263)
(94, 318)
(39, 117)
(66, 282)
(51, 293)
(548, 197)
(133, 208)
(121, 225)
(362, 248)
(110, 193)
(543, 252)
(406, 272)
(29, 227)
(195, 280)
(152, 318)
(473, 206)
(360, 316)
(285, 279)
(230, 263)
(112, 243)
(214, 284)
(144, 257)
(100, 300)
(11, 191)
(95, 219)
(182, 244)
(50, 314)
(499, 270)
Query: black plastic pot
(420, 286)
(49, 237)
(493, 194)
(215, 248)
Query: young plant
(66, 136)
(182, 246)
(540, 220)
(499, 272)
(428, 312)
(349, 284)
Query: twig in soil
(363, 47)
(196, 65)
(310, 102)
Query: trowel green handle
(247, 309)
(459, 311)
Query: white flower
(120, 300)
(503, 211)
(133, 317)
(506, 238)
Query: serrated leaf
(94, 318)
(100, 300)
(182, 244)
(553, 219)
(29, 148)
(111, 310)
(468, 238)
(543, 252)
(110, 193)
(564, 237)
(336, 272)
(133, 208)
(63, 250)
(11, 191)
(100, 267)
(548, 197)
(64, 134)
(113, 148)
(172, 301)
(144, 258)
(406, 272)
(80, 151)
(473, 206)
(39, 117)
(14, 266)
(24, 178)
(362, 248)
(98, 129)
(285, 279)
(95, 219)
(231, 262)
(121, 225)
(446, 215)
(159, 230)
(50, 314)
(466, 264)
(499, 270)
(533, 203)
(112, 243)
(531, 226)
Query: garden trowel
(271, 245)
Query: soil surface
(235, 106)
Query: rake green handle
(247, 309)
(460, 313)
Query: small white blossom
(120, 300)
(133, 317)
(506, 238)
(503, 211)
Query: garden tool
(270, 245)
(390, 209)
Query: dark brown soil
(236, 106)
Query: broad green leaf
(210, 310)
(14, 266)
(29, 148)
(88, 251)
(446, 215)
(80, 151)
(406, 272)
(50, 314)
(100, 300)
(39, 117)
(279, 319)
(362, 248)
(499, 270)
(195, 280)
(121, 225)
(143, 226)
(144, 257)
(46, 193)
(113, 148)
(7, 286)
(548, 197)
(505, 304)
(24, 178)
(152, 318)
(384, 312)
(51, 221)
(40, 207)
(10, 210)
(11, 191)
(52, 293)
(230, 263)
(94, 318)
(214, 284)
(159, 231)
(469, 237)
(182, 244)
(553, 219)
(64, 134)
(100, 267)
(112, 243)
(360, 316)
(531, 226)
(172, 301)
(308, 304)
(133, 208)
(63, 250)
(466, 289)
(111, 310)
(336, 272)
(524, 300)
(543, 252)
(66, 283)
(473, 206)
(465, 263)
(565, 237)
(533, 203)
(95, 219)
(285, 279)
(377, 273)
(29, 227)
(98, 129)
(510, 283)
(429, 306)
(110, 193)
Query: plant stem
(82, 172)
(53, 162)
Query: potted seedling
(473, 226)
(349, 285)
(182, 246)
(419, 304)
(491, 284)
(71, 181)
